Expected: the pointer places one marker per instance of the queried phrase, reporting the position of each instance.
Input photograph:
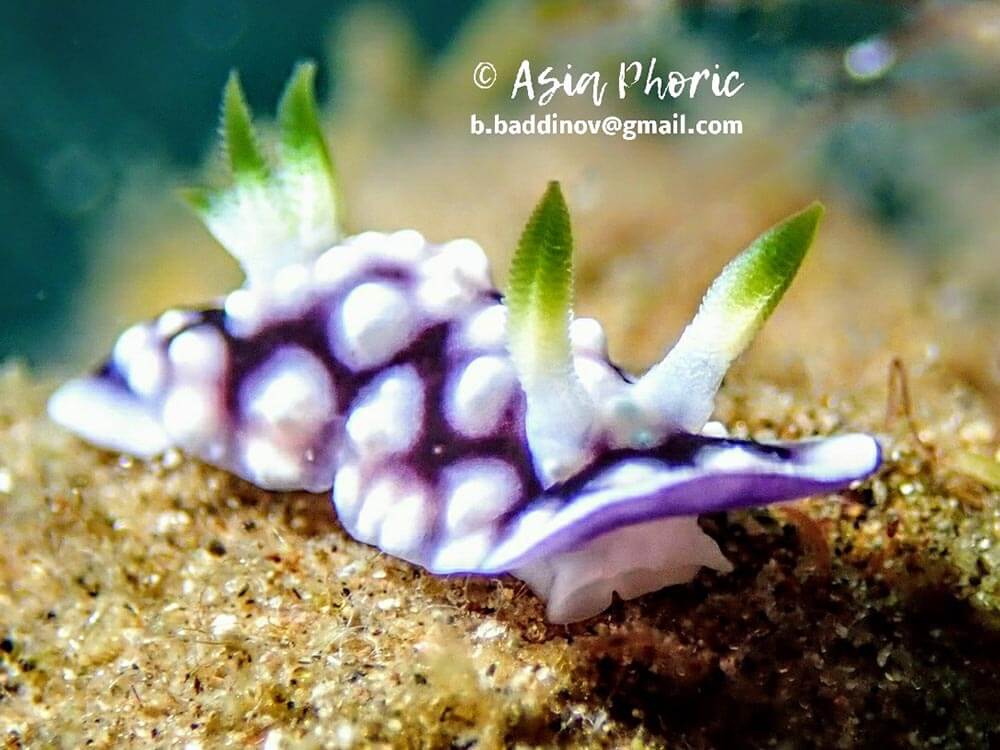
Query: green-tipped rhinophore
(540, 306)
(749, 288)
(270, 218)
(540, 289)
(682, 387)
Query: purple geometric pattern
(382, 371)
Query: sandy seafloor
(168, 604)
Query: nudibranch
(460, 429)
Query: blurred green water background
(90, 88)
(909, 91)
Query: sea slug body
(457, 428)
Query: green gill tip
(246, 159)
(268, 218)
(298, 118)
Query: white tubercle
(147, 373)
(347, 490)
(138, 355)
(406, 246)
(462, 554)
(715, 429)
(198, 354)
(291, 394)
(172, 321)
(452, 277)
(192, 415)
(245, 310)
(389, 414)
(131, 343)
(406, 526)
(466, 260)
(375, 321)
(478, 491)
(379, 499)
(598, 378)
(587, 335)
(440, 297)
(486, 329)
(340, 263)
(477, 400)
(272, 466)
(369, 240)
